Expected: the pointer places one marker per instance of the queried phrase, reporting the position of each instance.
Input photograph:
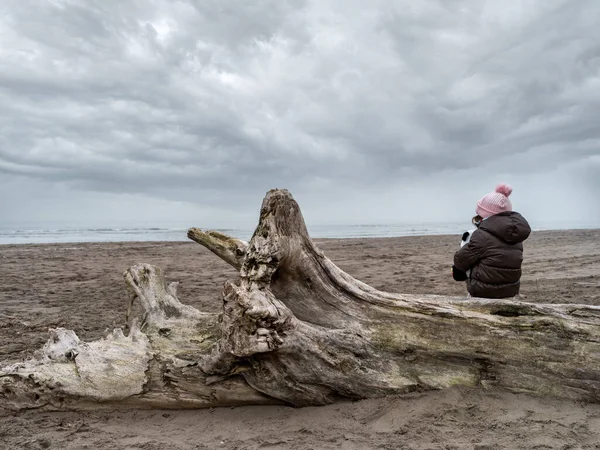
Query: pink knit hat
(496, 202)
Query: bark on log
(298, 330)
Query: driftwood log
(298, 330)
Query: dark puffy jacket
(494, 255)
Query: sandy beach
(80, 286)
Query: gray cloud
(213, 102)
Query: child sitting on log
(490, 261)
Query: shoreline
(316, 239)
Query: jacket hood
(509, 226)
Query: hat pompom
(504, 189)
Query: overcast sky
(367, 111)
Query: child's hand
(458, 274)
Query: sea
(55, 233)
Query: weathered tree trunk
(298, 330)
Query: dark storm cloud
(176, 99)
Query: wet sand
(80, 286)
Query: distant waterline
(43, 235)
